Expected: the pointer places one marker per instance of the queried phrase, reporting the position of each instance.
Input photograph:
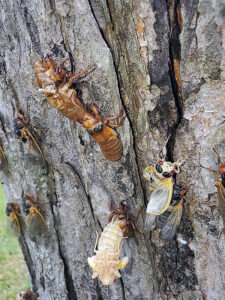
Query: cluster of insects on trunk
(166, 200)
(33, 217)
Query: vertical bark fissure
(72, 295)
(173, 9)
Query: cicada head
(13, 218)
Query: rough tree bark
(164, 61)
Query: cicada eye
(173, 172)
(99, 281)
(114, 280)
(158, 169)
(166, 174)
(90, 132)
(98, 128)
(160, 162)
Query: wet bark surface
(164, 62)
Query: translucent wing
(161, 197)
(3, 159)
(221, 199)
(149, 222)
(169, 229)
(35, 223)
(13, 224)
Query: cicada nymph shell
(55, 83)
(14, 219)
(34, 218)
(107, 263)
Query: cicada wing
(147, 173)
(221, 199)
(13, 224)
(169, 229)
(35, 224)
(149, 222)
(160, 198)
(3, 159)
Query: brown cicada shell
(55, 83)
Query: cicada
(24, 132)
(33, 216)
(106, 263)
(27, 295)
(220, 184)
(55, 83)
(14, 218)
(3, 159)
(170, 219)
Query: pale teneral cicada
(161, 179)
(106, 263)
(14, 218)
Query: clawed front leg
(106, 120)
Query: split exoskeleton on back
(162, 183)
(56, 84)
(106, 263)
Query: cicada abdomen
(106, 263)
(14, 219)
(35, 222)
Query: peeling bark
(163, 60)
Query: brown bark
(163, 61)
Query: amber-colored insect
(13, 218)
(3, 159)
(24, 131)
(56, 86)
(220, 184)
(170, 219)
(27, 295)
(106, 263)
(33, 216)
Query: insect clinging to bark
(170, 219)
(3, 159)
(24, 132)
(56, 86)
(220, 184)
(106, 262)
(13, 218)
(33, 216)
(161, 181)
(27, 295)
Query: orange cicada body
(55, 83)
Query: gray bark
(136, 46)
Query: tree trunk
(163, 60)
